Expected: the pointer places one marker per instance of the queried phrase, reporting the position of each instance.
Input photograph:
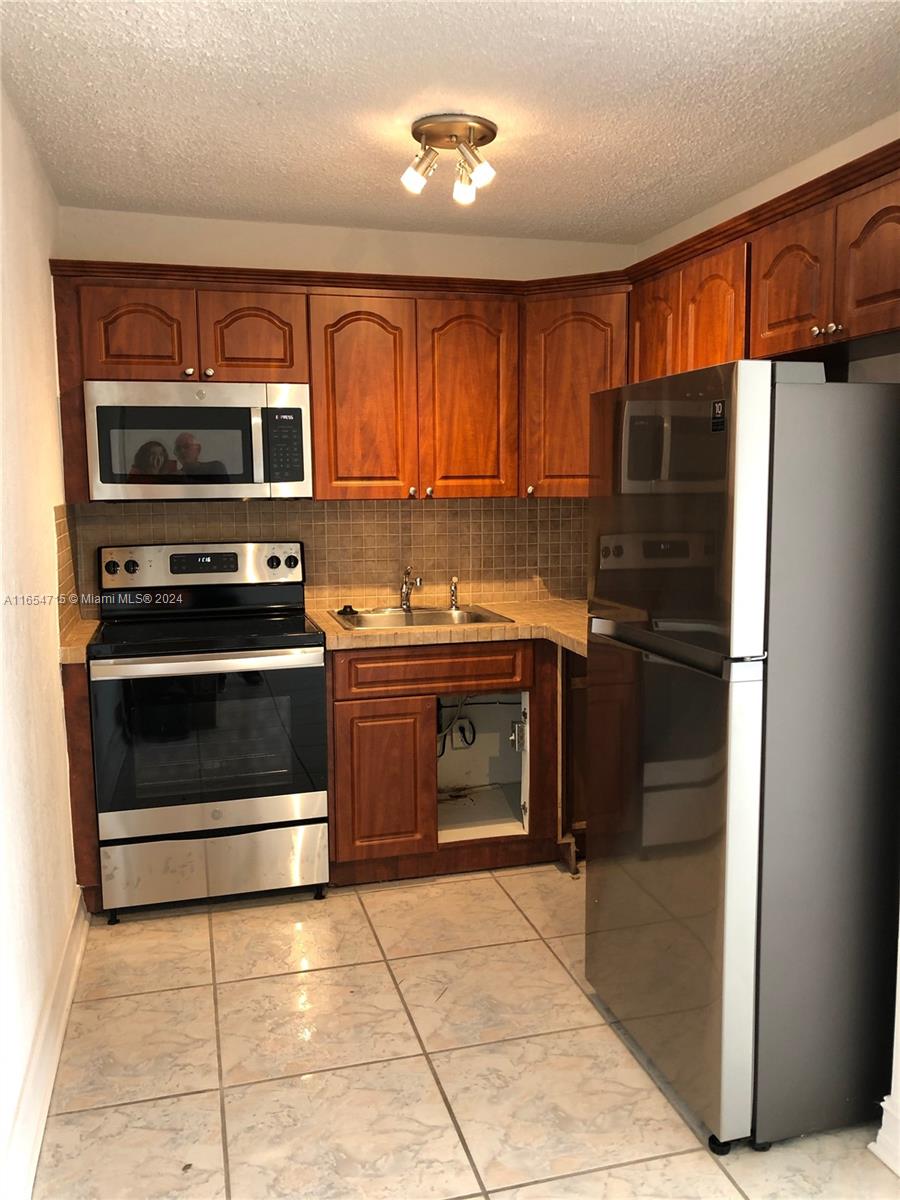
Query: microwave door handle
(256, 441)
(666, 448)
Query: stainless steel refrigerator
(742, 880)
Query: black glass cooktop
(174, 635)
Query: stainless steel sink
(396, 618)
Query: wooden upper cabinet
(573, 347)
(792, 283)
(867, 262)
(655, 316)
(257, 337)
(468, 397)
(138, 332)
(364, 411)
(385, 787)
(713, 308)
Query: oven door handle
(206, 664)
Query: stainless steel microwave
(190, 441)
(673, 447)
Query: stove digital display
(202, 564)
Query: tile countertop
(563, 622)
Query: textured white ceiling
(616, 119)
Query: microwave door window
(175, 446)
(644, 459)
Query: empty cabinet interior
(482, 747)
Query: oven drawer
(191, 868)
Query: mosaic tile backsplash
(356, 550)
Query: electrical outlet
(463, 734)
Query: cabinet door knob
(830, 327)
(429, 491)
(815, 331)
(835, 327)
(188, 371)
(412, 491)
(208, 372)
(530, 489)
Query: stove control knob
(273, 562)
(291, 561)
(111, 567)
(132, 566)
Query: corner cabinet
(365, 409)
(160, 333)
(828, 274)
(468, 397)
(573, 347)
(692, 317)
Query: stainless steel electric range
(207, 687)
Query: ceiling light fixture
(464, 189)
(451, 131)
(479, 168)
(416, 174)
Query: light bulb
(416, 174)
(464, 190)
(479, 168)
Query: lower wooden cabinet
(397, 813)
(385, 785)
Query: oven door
(208, 741)
(175, 441)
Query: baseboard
(34, 1099)
(887, 1144)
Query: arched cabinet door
(713, 306)
(655, 317)
(792, 283)
(253, 337)
(363, 392)
(867, 267)
(573, 347)
(138, 332)
(468, 397)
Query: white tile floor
(424, 1041)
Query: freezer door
(672, 840)
(679, 505)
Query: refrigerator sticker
(717, 417)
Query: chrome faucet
(406, 588)
(454, 593)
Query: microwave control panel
(284, 445)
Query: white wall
(39, 902)
(202, 241)
(855, 146)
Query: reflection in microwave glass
(155, 454)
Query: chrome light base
(445, 131)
